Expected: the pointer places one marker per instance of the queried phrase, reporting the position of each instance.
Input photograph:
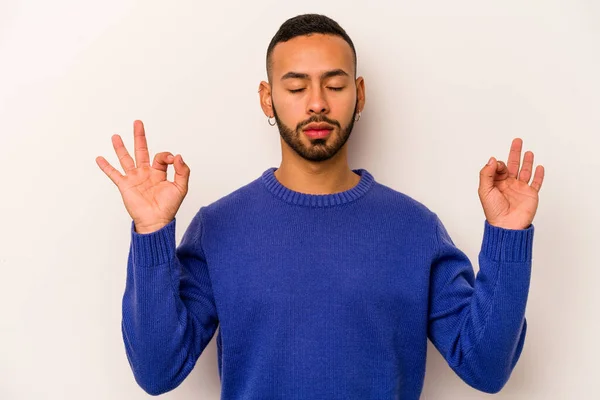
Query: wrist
(149, 228)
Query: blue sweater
(323, 296)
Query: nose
(317, 103)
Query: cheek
(290, 111)
(344, 105)
(352, 101)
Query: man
(325, 283)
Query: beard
(319, 149)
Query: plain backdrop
(448, 84)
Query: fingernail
(169, 158)
(490, 161)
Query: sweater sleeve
(478, 323)
(169, 313)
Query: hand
(150, 199)
(508, 200)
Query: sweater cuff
(507, 245)
(155, 248)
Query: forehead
(312, 54)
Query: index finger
(142, 158)
(514, 157)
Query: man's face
(312, 82)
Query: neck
(325, 177)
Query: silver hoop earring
(358, 114)
(269, 121)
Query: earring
(269, 121)
(358, 114)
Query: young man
(325, 283)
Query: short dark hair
(307, 24)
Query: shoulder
(234, 204)
(403, 217)
(403, 203)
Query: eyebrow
(324, 75)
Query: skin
(509, 201)
(314, 166)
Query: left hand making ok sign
(508, 200)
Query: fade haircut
(307, 24)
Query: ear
(360, 93)
(264, 93)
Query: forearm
(478, 323)
(158, 330)
(499, 326)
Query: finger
(109, 170)
(486, 176)
(162, 161)
(182, 173)
(124, 158)
(525, 174)
(514, 157)
(142, 158)
(501, 171)
(538, 178)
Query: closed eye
(335, 89)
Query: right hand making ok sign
(150, 199)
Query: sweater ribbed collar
(317, 200)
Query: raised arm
(169, 313)
(478, 323)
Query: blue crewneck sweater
(323, 296)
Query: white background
(448, 84)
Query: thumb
(486, 176)
(182, 173)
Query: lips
(318, 126)
(315, 131)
